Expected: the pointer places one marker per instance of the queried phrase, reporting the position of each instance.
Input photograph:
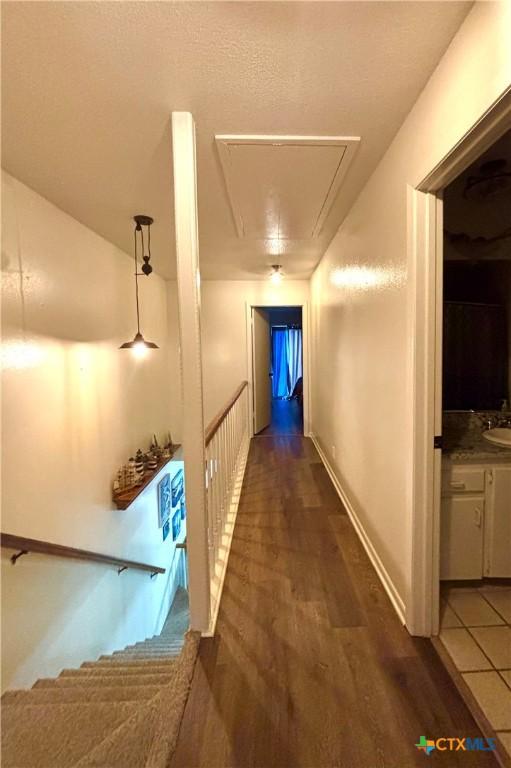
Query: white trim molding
(187, 260)
(382, 573)
(422, 210)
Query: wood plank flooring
(310, 666)
(286, 418)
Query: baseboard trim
(388, 584)
(218, 582)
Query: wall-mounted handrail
(23, 546)
(215, 423)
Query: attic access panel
(283, 187)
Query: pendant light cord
(136, 281)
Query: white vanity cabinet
(475, 521)
(497, 530)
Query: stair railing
(226, 442)
(23, 546)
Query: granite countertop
(476, 449)
(464, 441)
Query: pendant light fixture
(276, 276)
(139, 345)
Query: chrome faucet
(489, 423)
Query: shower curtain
(286, 360)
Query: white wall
(74, 408)
(361, 343)
(224, 334)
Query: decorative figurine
(152, 461)
(168, 450)
(155, 448)
(140, 462)
(133, 478)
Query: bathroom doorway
(426, 244)
(461, 466)
(474, 630)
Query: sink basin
(499, 436)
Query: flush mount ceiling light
(276, 276)
(139, 345)
(493, 180)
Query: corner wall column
(188, 286)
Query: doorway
(475, 503)
(278, 342)
(426, 213)
(460, 482)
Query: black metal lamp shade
(139, 341)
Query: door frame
(425, 297)
(305, 358)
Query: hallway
(310, 665)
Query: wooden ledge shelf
(125, 498)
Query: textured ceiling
(88, 88)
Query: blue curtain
(286, 360)
(279, 362)
(294, 357)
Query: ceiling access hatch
(283, 187)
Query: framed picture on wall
(176, 524)
(164, 500)
(165, 529)
(178, 482)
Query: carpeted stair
(122, 711)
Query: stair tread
(151, 648)
(46, 735)
(106, 681)
(151, 644)
(169, 662)
(79, 694)
(145, 652)
(114, 671)
(151, 658)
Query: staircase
(121, 711)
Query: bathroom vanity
(475, 531)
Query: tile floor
(475, 630)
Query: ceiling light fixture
(139, 345)
(276, 276)
(493, 180)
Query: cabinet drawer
(461, 479)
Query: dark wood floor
(286, 418)
(310, 665)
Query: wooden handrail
(24, 546)
(214, 424)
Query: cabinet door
(461, 537)
(497, 540)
